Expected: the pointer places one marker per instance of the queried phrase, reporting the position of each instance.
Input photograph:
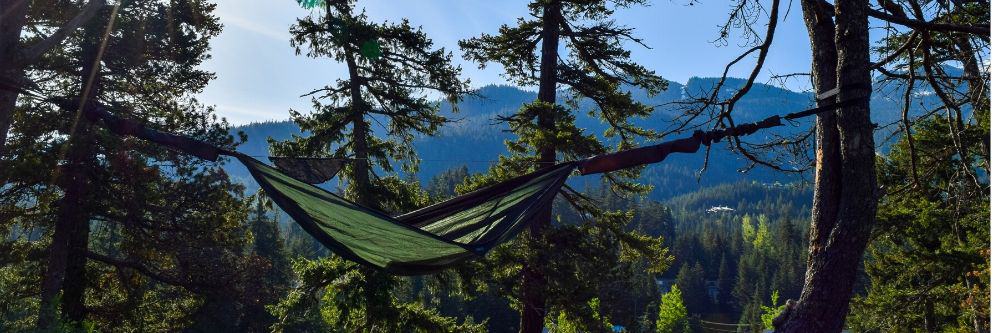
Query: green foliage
(309, 4)
(691, 280)
(928, 264)
(164, 236)
(749, 233)
(762, 240)
(577, 256)
(595, 323)
(757, 247)
(673, 316)
(393, 67)
(769, 312)
(337, 295)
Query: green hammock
(419, 242)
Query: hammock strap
(96, 112)
(598, 164)
(656, 153)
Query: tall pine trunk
(845, 196)
(66, 269)
(359, 137)
(377, 298)
(533, 280)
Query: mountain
(475, 138)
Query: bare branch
(931, 26)
(917, 24)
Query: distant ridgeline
(475, 138)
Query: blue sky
(260, 77)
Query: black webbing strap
(656, 153)
(824, 108)
(95, 112)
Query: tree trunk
(533, 277)
(929, 323)
(75, 283)
(66, 259)
(66, 269)
(12, 20)
(845, 193)
(977, 90)
(359, 138)
(378, 300)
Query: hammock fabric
(419, 242)
(312, 170)
(435, 237)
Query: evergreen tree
(28, 32)
(597, 68)
(691, 282)
(754, 309)
(748, 272)
(391, 69)
(791, 256)
(762, 240)
(928, 264)
(749, 232)
(132, 234)
(442, 186)
(673, 314)
(269, 246)
(769, 312)
(725, 285)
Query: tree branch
(137, 267)
(916, 24)
(932, 26)
(31, 54)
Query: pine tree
(762, 240)
(673, 314)
(269, 246)
(392, 67)
(442, 186)
(845, 198)
(691, 282)
(928, 262)
(725, 285)
(597, 69)
(22, 46)
(129, 228)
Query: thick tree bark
(826, 191)
(845, 193)
(533, 278)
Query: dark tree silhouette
(19, 54)
(597, 68)
(392, 67)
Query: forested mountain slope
(474, 138)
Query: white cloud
(239, 115)
(248, 25)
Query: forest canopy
(868, 212)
